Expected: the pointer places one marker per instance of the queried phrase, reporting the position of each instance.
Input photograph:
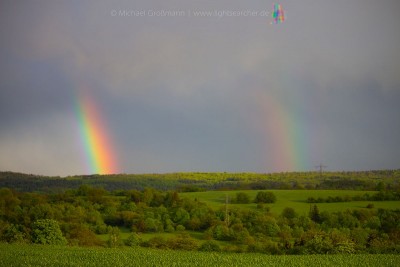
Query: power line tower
(320, 167)
(226, 210)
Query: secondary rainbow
(95, 140)
(285, 140)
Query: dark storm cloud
(32, 91)
(180, 93)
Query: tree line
(380, 196)
(192, 182)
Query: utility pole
(320, 167)
(226, 210)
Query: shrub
(180, 228)
(182, 242)
(271, 247)
(83, 236)
(263, 207)
(319, 244)
(48, 232)
(156, 242)
(14, 234)
(265, 197)
(345, 247)
(289, 213)
(133, 240)
(222, 232)
(210, 245)
(314, 214)
(169, 228)
(242, 198)
(114, 238)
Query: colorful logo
(278, 15)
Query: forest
(83, 214)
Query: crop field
(292, 198)
(38, 255)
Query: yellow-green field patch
(292, 198)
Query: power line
(320, 167)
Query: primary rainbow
(95, 140)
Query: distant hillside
(184, 182)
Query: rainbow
(285, 138)
(95, 140)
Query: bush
(156, 242)
(47, 232)
(209, 246)
(242, 198)
(222, 232)
(319, 244)
(114, 238)
(271, 248)
(180, 228)
(133, 240)
(265, 197)
(82, 236)
(263, 207)
(289, 213)
(14, 234)
(169, 228)
(345, 247)
(182, 242)
(370, 206)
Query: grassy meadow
(285, 198)
(292, 198)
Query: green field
(292, 198)
(285, 198)
(38, 255)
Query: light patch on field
(292, 198)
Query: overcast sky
(184, 92)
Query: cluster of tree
(191, 182)
(380, 196)
(261, 197)
(74, 217)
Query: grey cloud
(181, 93)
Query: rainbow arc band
(285, 134)
(95, 140)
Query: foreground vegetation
(81, 216)
(35, 255)
(336, 213)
